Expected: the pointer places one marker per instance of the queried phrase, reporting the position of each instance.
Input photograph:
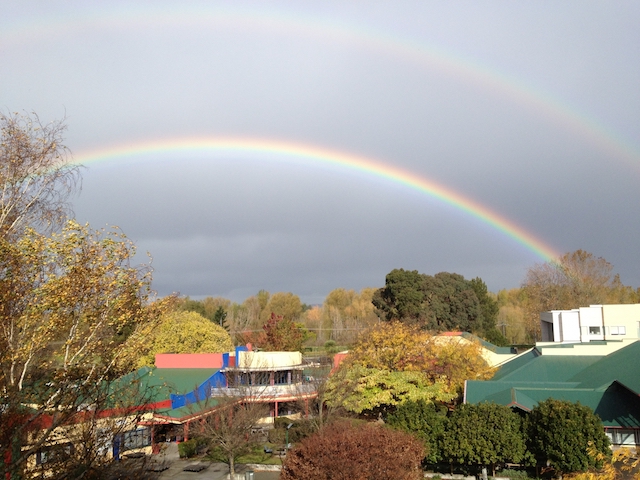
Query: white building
(593, 323)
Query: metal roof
(608, 385)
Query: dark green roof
(549, 368)
(515, 364)
(608, 385)
(621, 365)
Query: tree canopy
(68, 301)
(423, 420)
(485, 434)
(444, 301)
(183, 332)
(567, 435)
(394, 362)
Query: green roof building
(608, 383)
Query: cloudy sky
(223, 137)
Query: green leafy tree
(403, 297)
(219, 318)
(188, 305)
(370, 390)
(423, 420)
(344, 451)
(444, 301)
(486, 434)
(567, 435)
(489, 306)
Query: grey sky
(508, 103)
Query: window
(618, 330)
(136, 439)
(55, 453)
(594, 330)
(261, 378)
(620, 436)
(281, 378)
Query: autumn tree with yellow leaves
(395, 362)
(178, 332)
(69, 299)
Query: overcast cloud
(531, 109)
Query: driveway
(209, 470)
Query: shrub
(484, 434)
(344, 451)
(423, 420)
(567, 435)
(188, 449)
(299, 430)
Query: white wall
(621, 322)
(265, 360)
(569, 321)
(596, 322)
(591, 323)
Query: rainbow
(311, 154)
(588, 128)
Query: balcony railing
(266, 391)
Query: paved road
(213, 471)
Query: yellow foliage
(184, 332)
(396, 346)
(624, 463)
(67, 302)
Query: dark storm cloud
(235, 225)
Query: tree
(486, 434)
(511, 315)
(211, 308)
(445, 301)
(425, 421)
(183, 332)
(344, 451)
(345, 313)
(402, 297)
(577, 279)
(219, 318)
(67, 303)
(284, 304)
(489, 306)
(370, 390)
(567, 435)
(280, 334)
(36, 177)
(229, 432)
(395, 362)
